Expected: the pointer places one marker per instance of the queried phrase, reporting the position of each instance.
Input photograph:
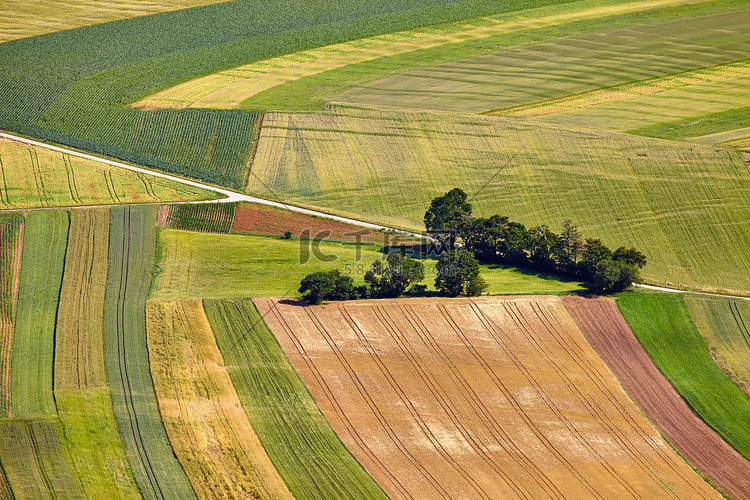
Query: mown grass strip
(205, 422)
(132, 242)
(79, 354)
(34, 461)
(664, 328)
(695, 126)
(90, 436)
(725, 325)
(45, 242)
(299, 440)
(11, 244)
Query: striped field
(11, 244)
(684, 206)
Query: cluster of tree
(457, 272)
(498, 239)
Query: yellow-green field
(33, 176)
(685, 207)
(20, 19)
(229, 88)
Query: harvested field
(612, 338)
(90, 437)
(132, 245)
(206, 425)
(250, 218)
(45, 241)
(725, 325)
(684, 206)
(34, 461)
(33, 176)
(297, 437)
(11, 244)
(79, 353)
(484, 398)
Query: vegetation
(132, 243)
(395, 276)
(326, 285)
(11, 243)
(89, 435)
(34, 460)
(199, 405)
(79, 334)
(689, 201)
(38, 177)
(205, 217)
(45, 241)
(663, 326)
(458, 274)
(299, 440)
(257, 266)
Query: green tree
(326, 285)
(542, 243)
(629, 256)
(393, 278)
(613, 276)
(594, 252)
(569, 247)
(450, 213)
(458, 273)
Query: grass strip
(132, 242)
(45, 241)
(299, 440)
(664, 328)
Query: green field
(33, 176)
(72, 87)
(89, 433)
(263, 266)
(34, 461)
(664, 328)
(132, 241)
(724, 324)
(79, 337)
(299, 440)
(684, 206)
(45, 241)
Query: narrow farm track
(612, 338)
(485, 398)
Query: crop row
(297, 437)
(132, 245)
(11, 243)
(205, 217)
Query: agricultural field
(663, 326)
(32, 176)
(34, 460)
(684, 206)
(44, 246)
(261, 266)
(207, 218)
(132, 243)
(90, 436)
(21, 19)
(724, 324)
(306, 451)
(79, 333)
(480, 398)
(11, 243)
(613, 340)
(562, 67)
(201, 411)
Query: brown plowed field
(605, 328)
(482, 398)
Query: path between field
(229, 196)
(677, 290)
